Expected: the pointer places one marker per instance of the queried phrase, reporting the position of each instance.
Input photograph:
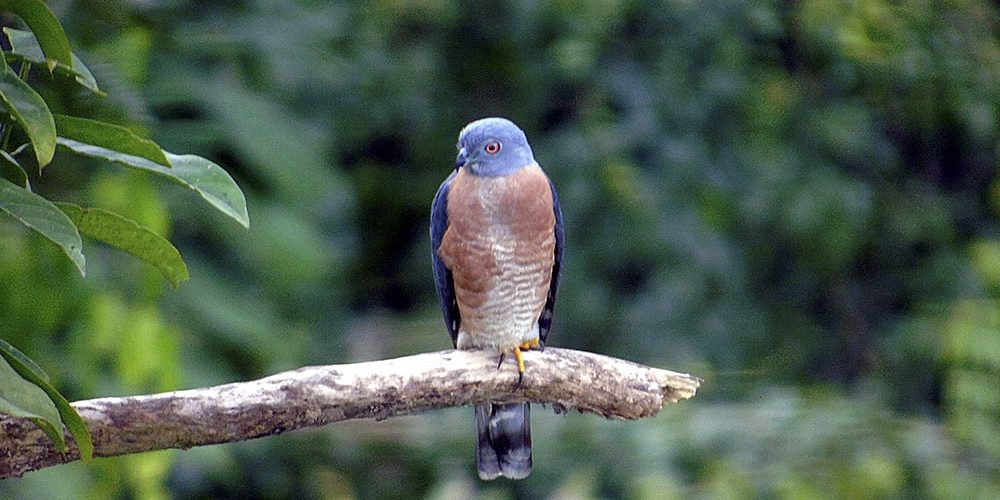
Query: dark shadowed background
(796, 201)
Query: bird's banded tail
(503, 440)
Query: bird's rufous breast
(500, 247)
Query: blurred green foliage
(797, 201)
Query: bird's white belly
(508, 315)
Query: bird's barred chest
(500, 247)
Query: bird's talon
(520, 360)
(524, 346)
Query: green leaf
(109, 136)
(210, 181)
(22, 360)
(125, 234)
(11, 170)
(22, 398)
(25, 47)
(46, 27)
(30, 112)
(30, 372)
(45, 218)
(194, 172)
(73, 421)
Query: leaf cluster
(24, 388)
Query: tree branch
(319, 395)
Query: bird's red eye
(492, 147)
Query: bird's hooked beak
(462, 159)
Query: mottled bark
(319, 395)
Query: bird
(497, 240)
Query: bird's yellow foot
(524, 347)
(520, 361)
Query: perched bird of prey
(497, 237)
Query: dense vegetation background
(797, 201)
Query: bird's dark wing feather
(442, 275)
(545, 320)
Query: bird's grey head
(493, 147)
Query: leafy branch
(24, 388)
